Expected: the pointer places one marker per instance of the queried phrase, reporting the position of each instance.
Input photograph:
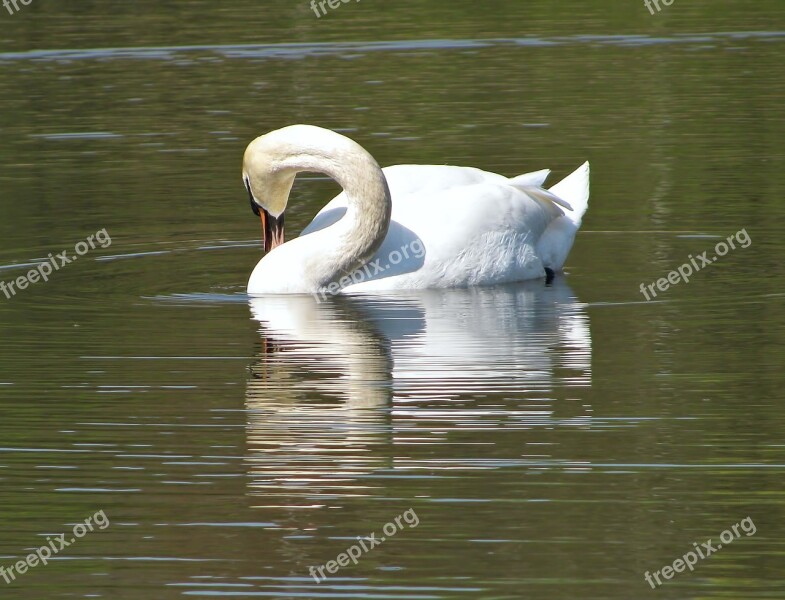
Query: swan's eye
(254, 206)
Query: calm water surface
(554, 441)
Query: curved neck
(361, 231)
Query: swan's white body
(448, 226)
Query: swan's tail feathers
(533, 179)
(556, 241)
(575, 189)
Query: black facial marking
(254, 206)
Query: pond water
(552, 441)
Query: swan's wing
(536, 178)
(428, 181)
(469, 235)
(451, 218)
(435, 179)
(329, 215)
(405, 180)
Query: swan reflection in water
(348, 391)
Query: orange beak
(272, 230)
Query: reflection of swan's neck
(333, 336)
(358, 235)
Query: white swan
(405, 226)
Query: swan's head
(269, 179)
(272, 161)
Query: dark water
(553, 441)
